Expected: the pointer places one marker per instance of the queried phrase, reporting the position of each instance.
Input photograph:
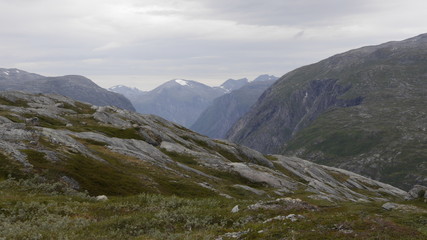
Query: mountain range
(74, 86)
(178, 100)
(181, 101)
(363, 110)
(225, 110)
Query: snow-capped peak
(181, 82)
(117, 87)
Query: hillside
(225, 110)
(76, 87)
(164, 181)
(363, 110)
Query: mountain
(76, 87)
(225, 110)
(70, 170)
(179, 100)
(232, 84)
(265, 77)
(362, 110)
(130, 93)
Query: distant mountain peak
(265, 77)
(119, 87)
(182, 82)
(233, 84)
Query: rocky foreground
(63, 139)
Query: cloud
(206, 40)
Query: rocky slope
(107, 150)
(220, 116)
(76, 87)
(363, 110)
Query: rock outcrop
(107, 150)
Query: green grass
(17, 103)
(35, 209)
(128, 133)
(80, 107)
(9, 168)
(93, 175)
(11, 117)
(185, 159)
(90, 173)
(117, 174)
(339, 176)
(45, 121)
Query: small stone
(418, 191)
(235, 209)
(70, 182)
(279, 218)
(69, 125)
(389, 206)
(101, 198)
(32, 121)
(294, 217)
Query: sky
(144, 43)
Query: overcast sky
(143, 43)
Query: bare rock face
(83, 146)
(303, 107)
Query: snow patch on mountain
(117, 87)
(182, 82)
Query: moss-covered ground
(36, 209)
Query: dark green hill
(363, 110)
